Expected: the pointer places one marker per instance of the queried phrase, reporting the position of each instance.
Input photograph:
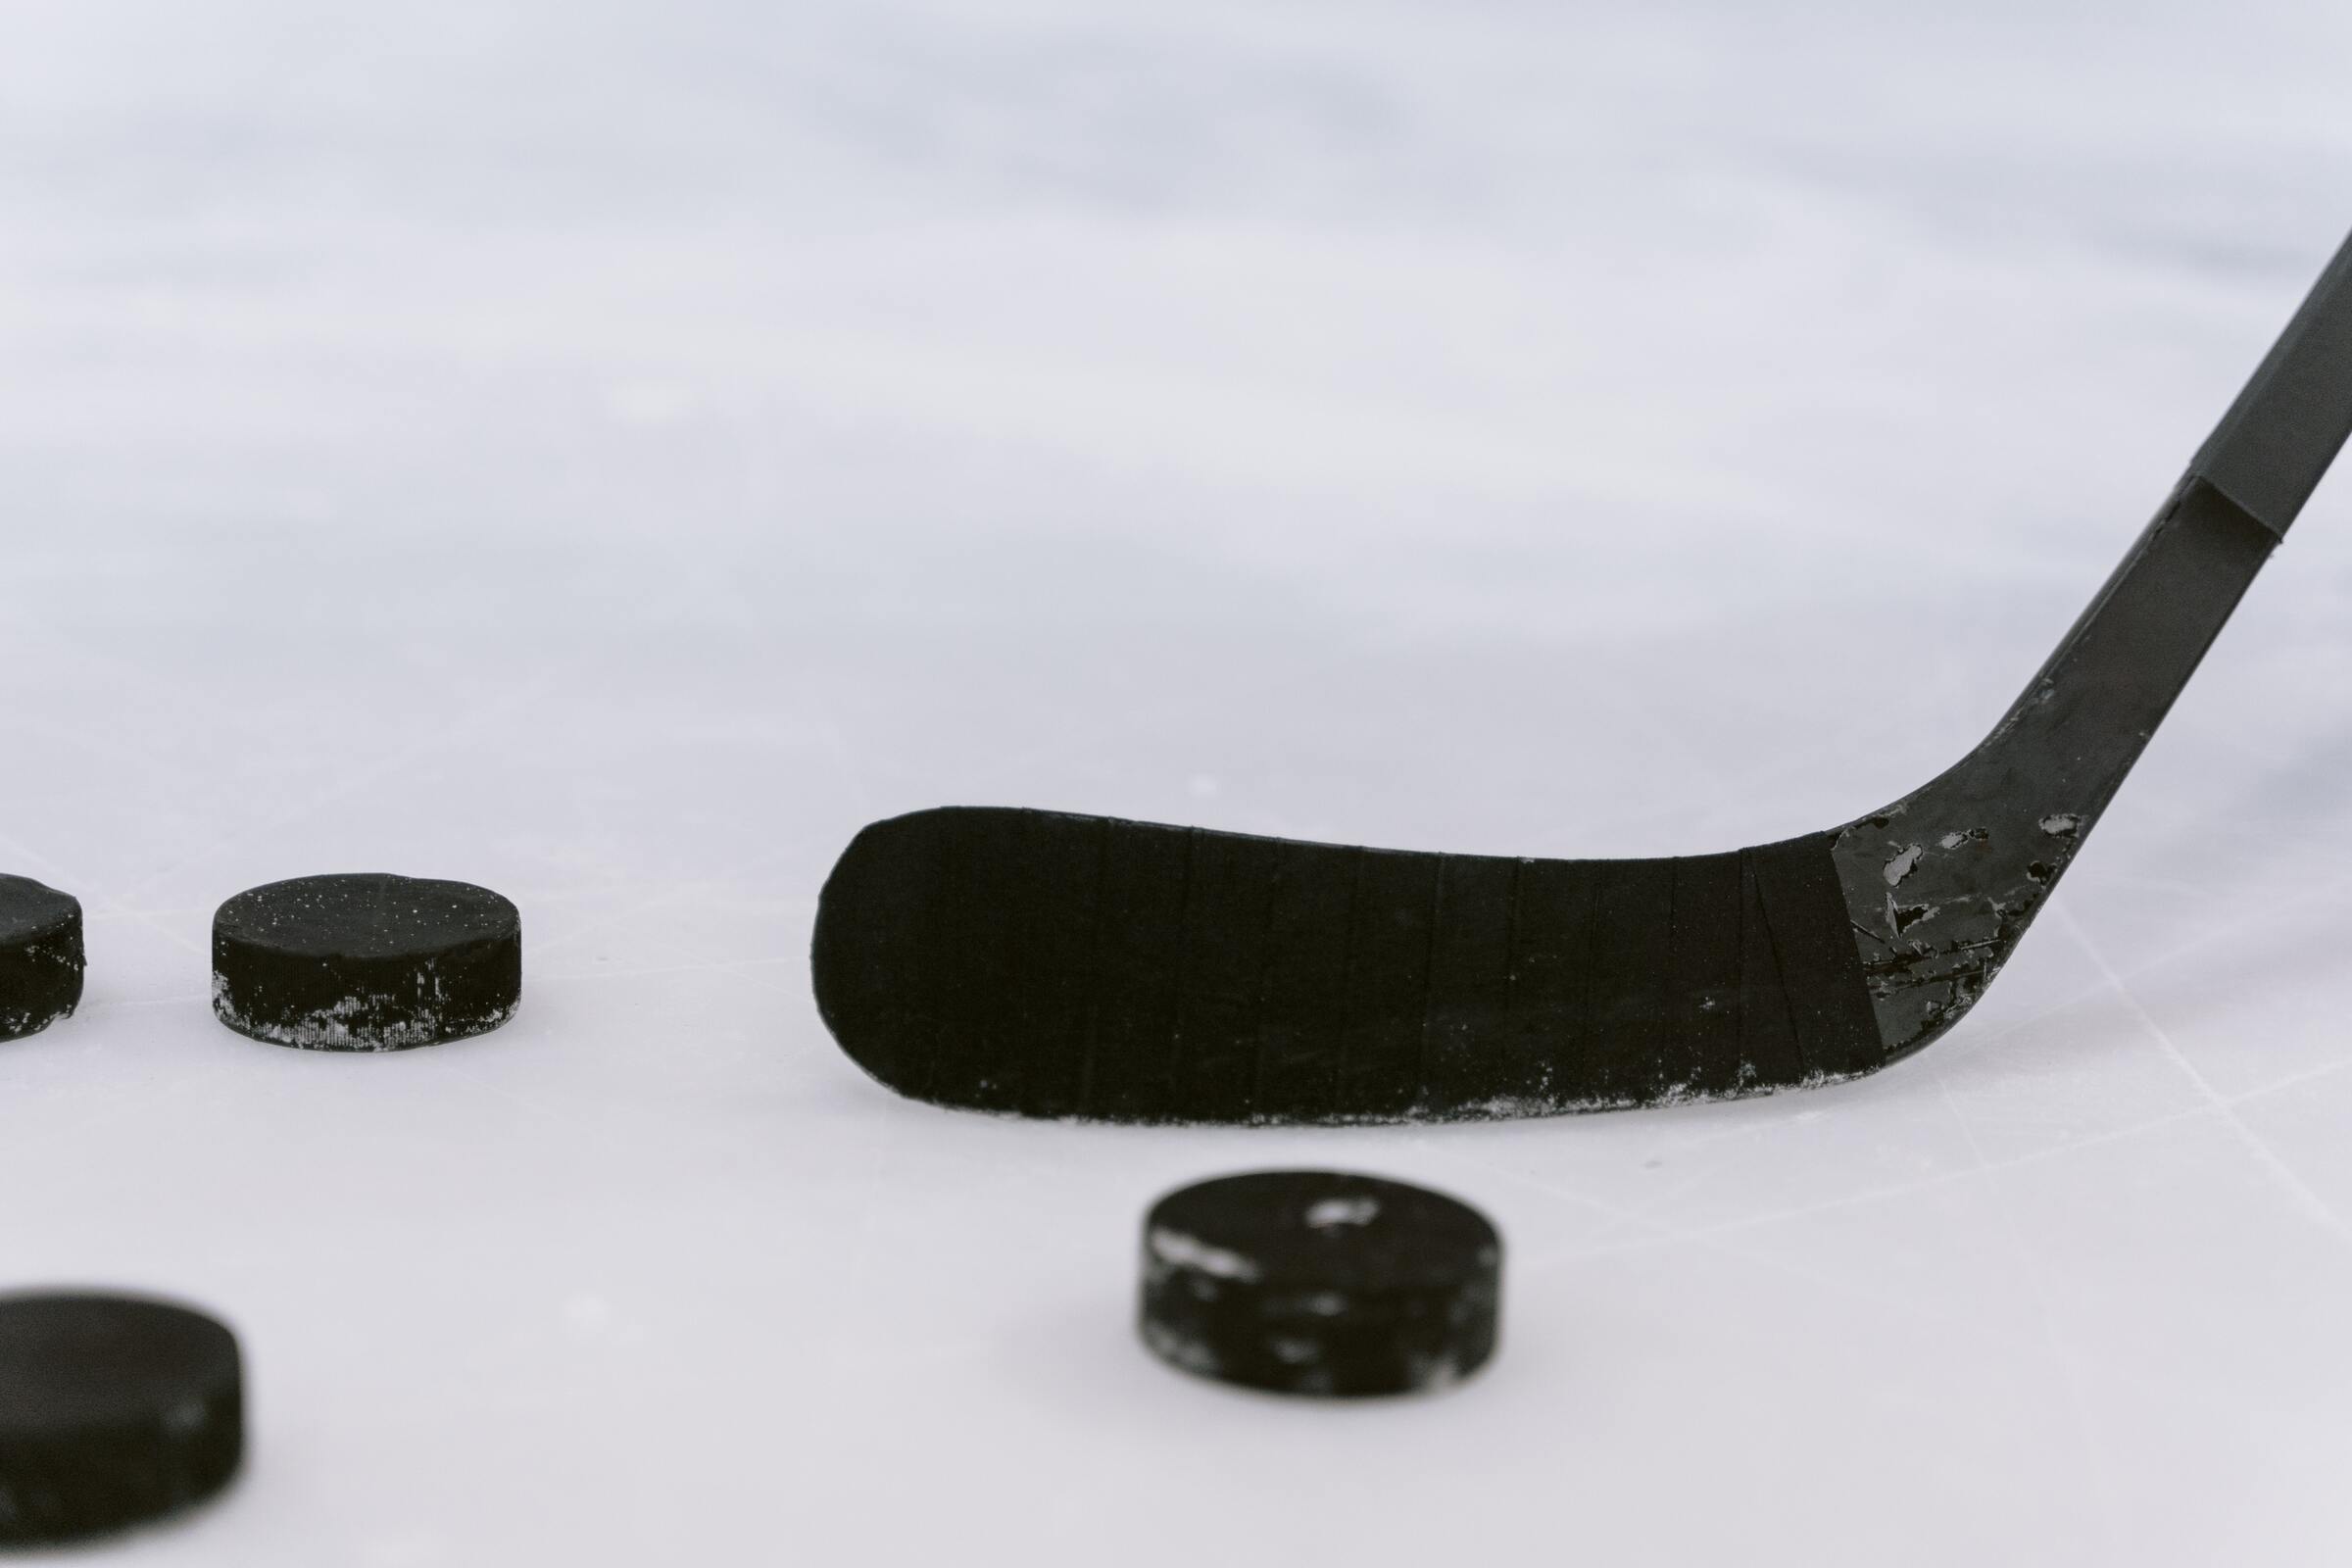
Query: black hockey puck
(40, 955)
(366, 962)
(1321, 1282)
(113, 1410)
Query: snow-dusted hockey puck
(40, 955)
(113, 1410)
(366, 962)
(1321, 1282)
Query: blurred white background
(609, 452)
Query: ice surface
(610, 454)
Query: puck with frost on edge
(40, 955)
(114, 1410)
(366, 962)
(1320, 1283)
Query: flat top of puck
(366, 914)
(27, 909)
(1310, 1229)
(80, 1361)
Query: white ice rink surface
(610, 453)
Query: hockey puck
(1320, 1283)
(40, 955)
(366, 962)
(113, 1410)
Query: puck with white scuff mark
(40, 955)
(1320, 1283)
(366, 962)
(114, 1410)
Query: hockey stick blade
(1044, 965)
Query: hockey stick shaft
(2272, 448)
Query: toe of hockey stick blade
(1044, 965)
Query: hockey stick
(1048, 965)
